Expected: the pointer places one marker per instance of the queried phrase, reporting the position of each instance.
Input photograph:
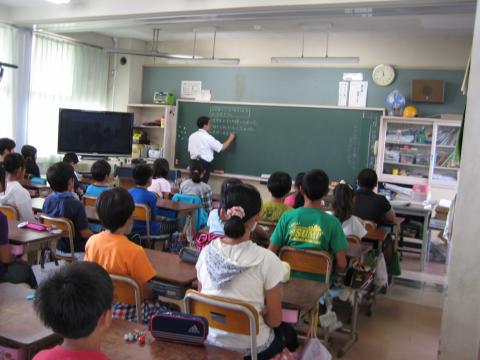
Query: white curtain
(8, 54)
(64, 75)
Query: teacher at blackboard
(201, 145)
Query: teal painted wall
(316, 86)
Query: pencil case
(179, 327)
(166, 289)
(38, 181)
(36, 227)
(189, 255)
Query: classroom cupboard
(418, 150)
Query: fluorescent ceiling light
(214, 61)
(59, 2)
(315, 60)
(151, 53)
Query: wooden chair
(312, 262)
(270, 225)
(68, 232)
(136, 288)
(10, 211)
(369, 225)
(229, 315)
(142, 212)
(308, 261)
(353, 239)
(89, 200)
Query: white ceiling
(392, 16)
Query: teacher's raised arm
(202, 145)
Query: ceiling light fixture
(59, 2)
(317, 59)
(152, 53)
(204, 61)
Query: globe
(395, 103)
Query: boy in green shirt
(309, 227)
(279, 185)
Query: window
(8, 54)
(64, 75)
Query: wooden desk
(20, 326)
(35, 190)
(37, 204)
(303, 294)
(33, 241)
(170, 268)
(179, 208)
(377, 237)
(116, 348)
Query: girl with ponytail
(195, 186)
(234, 267)
(343, 209)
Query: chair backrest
(229, 315)
(142, 212)
(89, 200)
(10, 211)
(369, 225)
(353, 239)
(67, 227)
(271, 225)
(136, 288)
(308, 261)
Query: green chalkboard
(289, 138)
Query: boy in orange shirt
(119, 256)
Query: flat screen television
(95, 132)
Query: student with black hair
(62, 203)
(343, 210)
(367, 204)
(296, 200)
(7, 146)
(196, 186)
(101, 175)
(118, 255)
(15, 194)
(160, 184)
(202, 145)
(309, 227)
(142, 177)
(75, 302)
(72, 159)
(279, 184)
(234, 267)
(29, 153)
(12, 269)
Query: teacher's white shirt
(202, 144)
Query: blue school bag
(201, 214)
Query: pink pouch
(16, 250)
(290, 316)
(36, 227)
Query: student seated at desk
(30, 155)
(368, 205)
(7, 146)
(234, 267)
(118, 255)
(196, 187)
(160, 184)
(15, 194)
(62, 203)
(309, 227)
(72, 159)
(279, 185)
(296, 199)
(75, 302)
(12, 270)
(101, 178)
(343, 210)
(142, 177)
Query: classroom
(277, 179)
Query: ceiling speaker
(430, 91)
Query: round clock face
(383, 75)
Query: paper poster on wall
(357, 96)
(342, 93)
(191, 89)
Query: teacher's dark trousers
(207, 166)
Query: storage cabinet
(418, 150)
(159, 123)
